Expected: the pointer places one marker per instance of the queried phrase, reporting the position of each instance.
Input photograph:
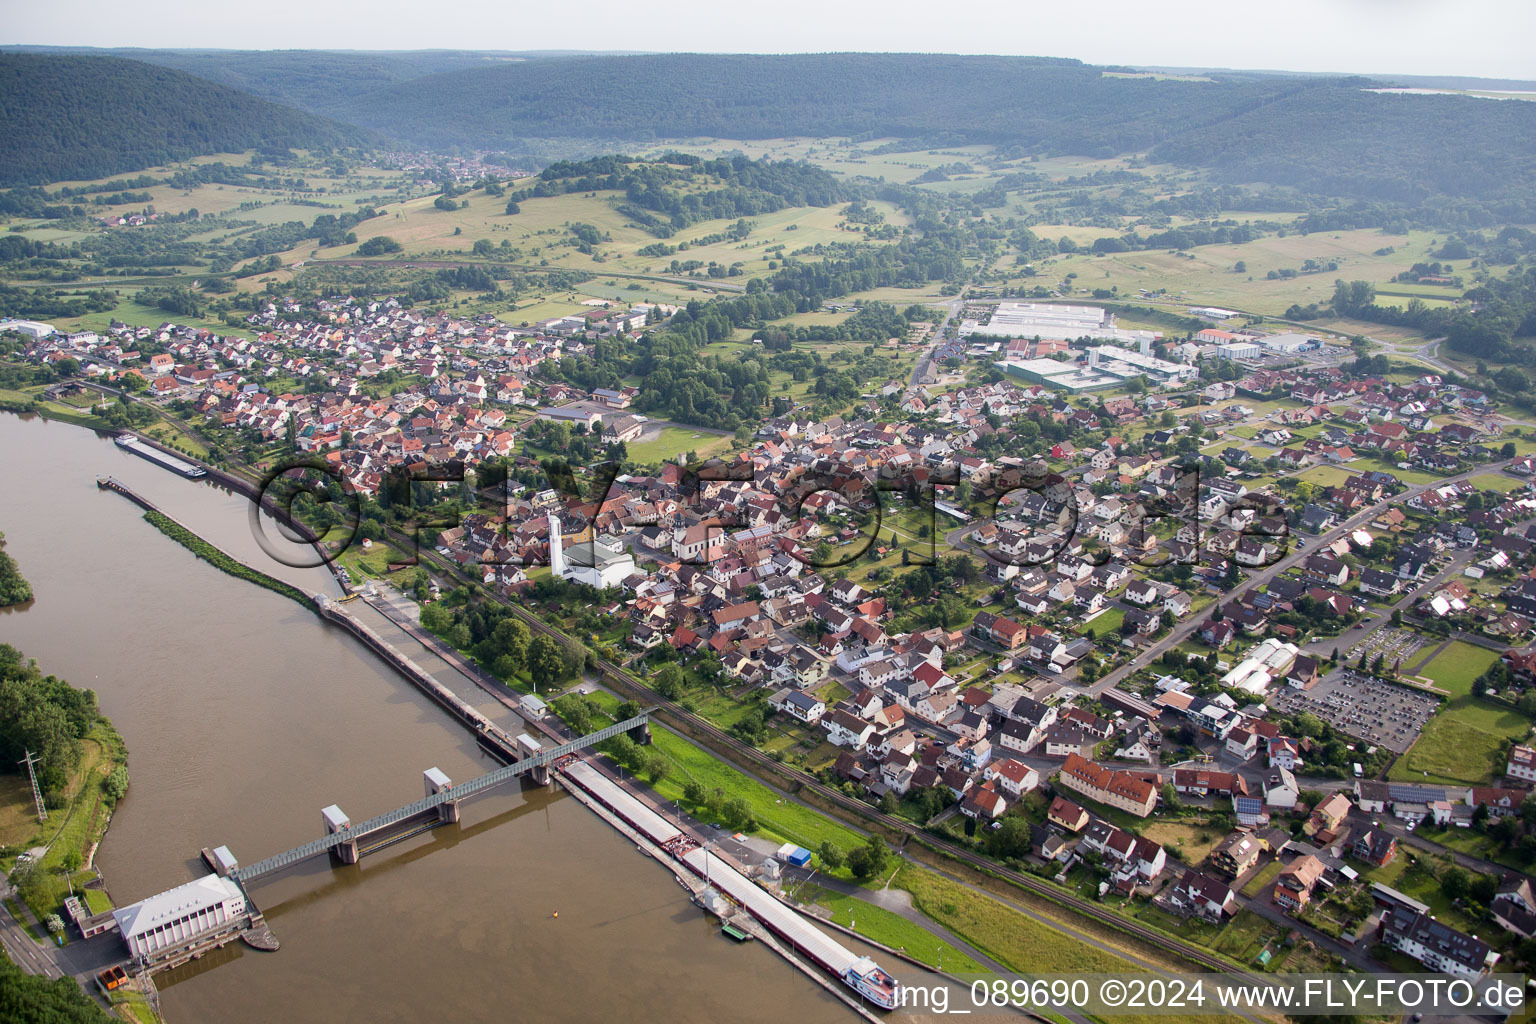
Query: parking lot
(1393, 643)
(1382, 714)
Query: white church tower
(556, 548)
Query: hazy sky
(1488, 38)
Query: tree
(831, 855)
(1506, 830)
(1455, 882)
(545, 663)
(115, 784)
(510, 638)
(657, 767)
(380, 246)
(736, 813)
(622, 749)
(1012, 838)
(869, 859)
(668, 681)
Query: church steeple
(556, 548)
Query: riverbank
(14, 588)
(50, 860)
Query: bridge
(350, 841)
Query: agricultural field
(1263, 879)
(1497, 482)
(1018, 942)
(1194, 840)
(777, 817)
(1325, 476)
(539, 235)
(1205, 274)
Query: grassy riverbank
(82, 770)
(219, 560)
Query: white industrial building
(31, 328)
(1267, 662)
(1291, 344)
(1239, 350)
(179, 915)
(1052, 322)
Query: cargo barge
(859, 973)
(130, 443)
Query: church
(593, 563)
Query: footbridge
(348, 842)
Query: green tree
(545, 663)
(668, 681)
(657, 767)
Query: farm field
(540, 234)
(1325, 476)
(1196, 841)
(1497, 482)
(1265, 878)
(783, 819)
(1209, 277)
(1014, 940)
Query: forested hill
(312, 80)
(1327, 135)
(64, 117)
(1045, 102)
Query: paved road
(20, 947)
(951, 307)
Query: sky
(1480, 38)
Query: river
(245, 714)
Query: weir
(353, 841)
(231, 914)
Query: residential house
(1294, 885)
(1237, 854)
(1436, 945)
(1204, 896)
(1117, 789)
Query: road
(951, 307)
(19, 946)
